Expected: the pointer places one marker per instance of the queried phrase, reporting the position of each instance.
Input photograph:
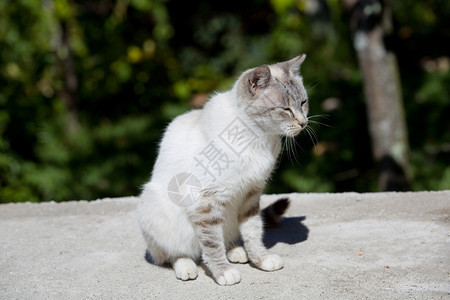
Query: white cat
(212, 167)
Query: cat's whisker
(319, 123)
(286, 147)
(312, 135)
(319, 116)
(312, 129)
(290, 151)
(309, 87)
(290, 148)
(298, 146)
(295, 148)
(293, 144)
(288, 142)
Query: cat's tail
(273, 214)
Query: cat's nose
(303, 124)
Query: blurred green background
(87, 88)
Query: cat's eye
(288, 110)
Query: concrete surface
(334, 246)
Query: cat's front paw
(271, 262)
(185, 269)
(229, 277)
(237, 255)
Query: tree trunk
(65, 67)
(371, 22)
(69, 91)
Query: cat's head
(275, 97)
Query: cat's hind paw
(271, 262)
(185, 269)
(229, 277)
(237, 255)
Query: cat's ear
(259, 79)
(294, 64)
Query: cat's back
(182, 129)
(179, 143)
(186, 121)
(198, 126)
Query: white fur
(184, 139)
(237, 255)
(230, 277)
(185, 269)
(168, 228)
(271, 262)
(276, 72)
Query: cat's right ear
(294, 64)
(259, 79)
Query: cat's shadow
(290, 231)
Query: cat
(212, 166)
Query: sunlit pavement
(339, 246)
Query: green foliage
(85, 164)
(137, 64)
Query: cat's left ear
(294, 64)
(259, 79)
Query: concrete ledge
(378, 246)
